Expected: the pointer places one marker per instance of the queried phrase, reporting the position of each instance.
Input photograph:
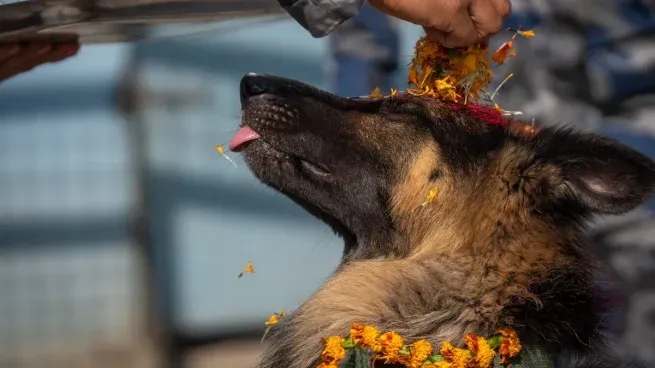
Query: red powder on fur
(485, 113)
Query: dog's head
(366, 166)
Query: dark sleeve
(321, 17)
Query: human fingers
(485, 17)
(25, 59)
(62, 51)
(8, 50)
(460, 30)
(503, 7)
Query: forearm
(321, 17)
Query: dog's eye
(314, 169)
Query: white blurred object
(101, 21)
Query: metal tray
(102, 21)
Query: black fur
(314, 153)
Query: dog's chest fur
(441, 301)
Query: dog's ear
(599, 174)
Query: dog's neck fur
(441, 297)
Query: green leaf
(435, 358)
(348, 344)
(349, 360)
(495, 341)
(404, 350)
(357, 358)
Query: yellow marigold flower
(470, 62)
(510, 345)
(443, 364)
(479, 346)
(272, 320)
(448, 74)
(282, 314)
(366, 337)
(328, 365)
(421, 350)
(333, 351)
(459, 358)
(391, 343)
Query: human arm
(452, 23)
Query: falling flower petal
(430, 197)
(501, 54)
(526, 34)
(376, 93)
(219, 148)
(248, 269)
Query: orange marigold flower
(459, 358)
(366, 336)
(479, 346)
(510, 345)
(501, 54)
(391, 343)
(420, 351)
(443, 364)
(333, 351)
(328, 365)
(449, 74)
(356, 332)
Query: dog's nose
(253, 84)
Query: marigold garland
(391, 348)
(457, 75)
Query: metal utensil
(101, 21)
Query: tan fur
(454, 257)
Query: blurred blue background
(110, 184)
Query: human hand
(16, 58)
(451, 23)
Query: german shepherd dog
(501, 245)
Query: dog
(501, 244)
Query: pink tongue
(244, 135)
